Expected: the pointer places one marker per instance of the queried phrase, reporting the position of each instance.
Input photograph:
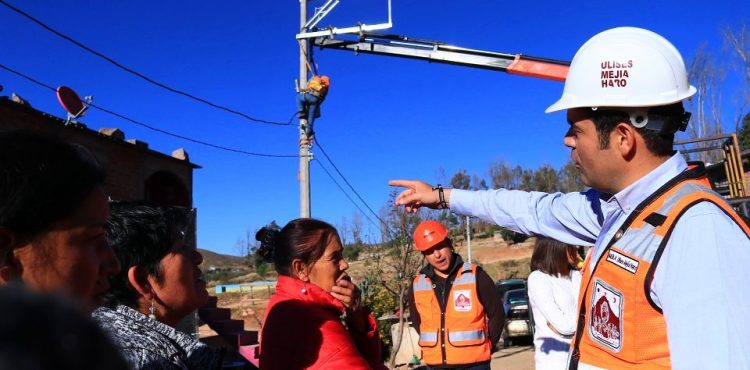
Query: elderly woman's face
(330, 267)
(73, 257)
(181, 288)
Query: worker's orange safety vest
(318, 85)
(459, 335)
(619, 326)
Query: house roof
(110, 135)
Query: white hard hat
(625, 67)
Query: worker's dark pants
(309, 105)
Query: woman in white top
(553, 294)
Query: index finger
(402, 183)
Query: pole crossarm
(438, 52)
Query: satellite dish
(72, 103)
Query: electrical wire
(322, 150)
(347, 195)
(153, 128)
(138, 74)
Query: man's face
(597, 165)
(440, 256)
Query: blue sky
(384, 117)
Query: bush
(351, 252)
(262, 269)
(512, 237)
(381, 302)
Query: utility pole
(304, 149)
(468, 235)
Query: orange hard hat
(429, 234)
(325, 80)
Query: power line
(350, 185)
(347, 195)
(153, 128)
(138, 74)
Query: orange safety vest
(619, 326)
(318, 85)
(459, 335)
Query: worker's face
(440, 256)
(598, 166)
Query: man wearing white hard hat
(664, 285)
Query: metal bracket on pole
(320, 13)
(332, 31)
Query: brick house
(134, 172)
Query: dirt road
(514, 358)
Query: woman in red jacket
(315, 319)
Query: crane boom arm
(438, 52)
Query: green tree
(352, 251)
(393, 265)
(527, 180)
(570, 178)
(505, 177)
(262, 269)
(461, 180)
(546, 180)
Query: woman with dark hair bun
(553, 292)
(315, 320)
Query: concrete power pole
(304, 149)
(468, 235)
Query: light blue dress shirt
(702, 282)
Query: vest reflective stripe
(461, 336)
(466, 279)
(620, 326)
(462, 340)
(422, 284)
(428, 337)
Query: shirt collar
(637, 192)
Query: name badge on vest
(462, 300)
(605, 325)
(620, 260)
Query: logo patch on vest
(462, 300)
(605, 325)
(628, 264)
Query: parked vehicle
(517, 316)
(509, 284)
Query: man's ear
(300, 270)
(624, 137)
(9, 268)
(139, 281)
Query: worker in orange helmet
(453, 305)
(309, 101)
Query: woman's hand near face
(348, 293)
(350, 296)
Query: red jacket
(304, 331)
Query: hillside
(220, 261)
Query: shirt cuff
(460, 200)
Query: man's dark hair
(141, 236)
(550, 256)
(658, 143)
(42, 181)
